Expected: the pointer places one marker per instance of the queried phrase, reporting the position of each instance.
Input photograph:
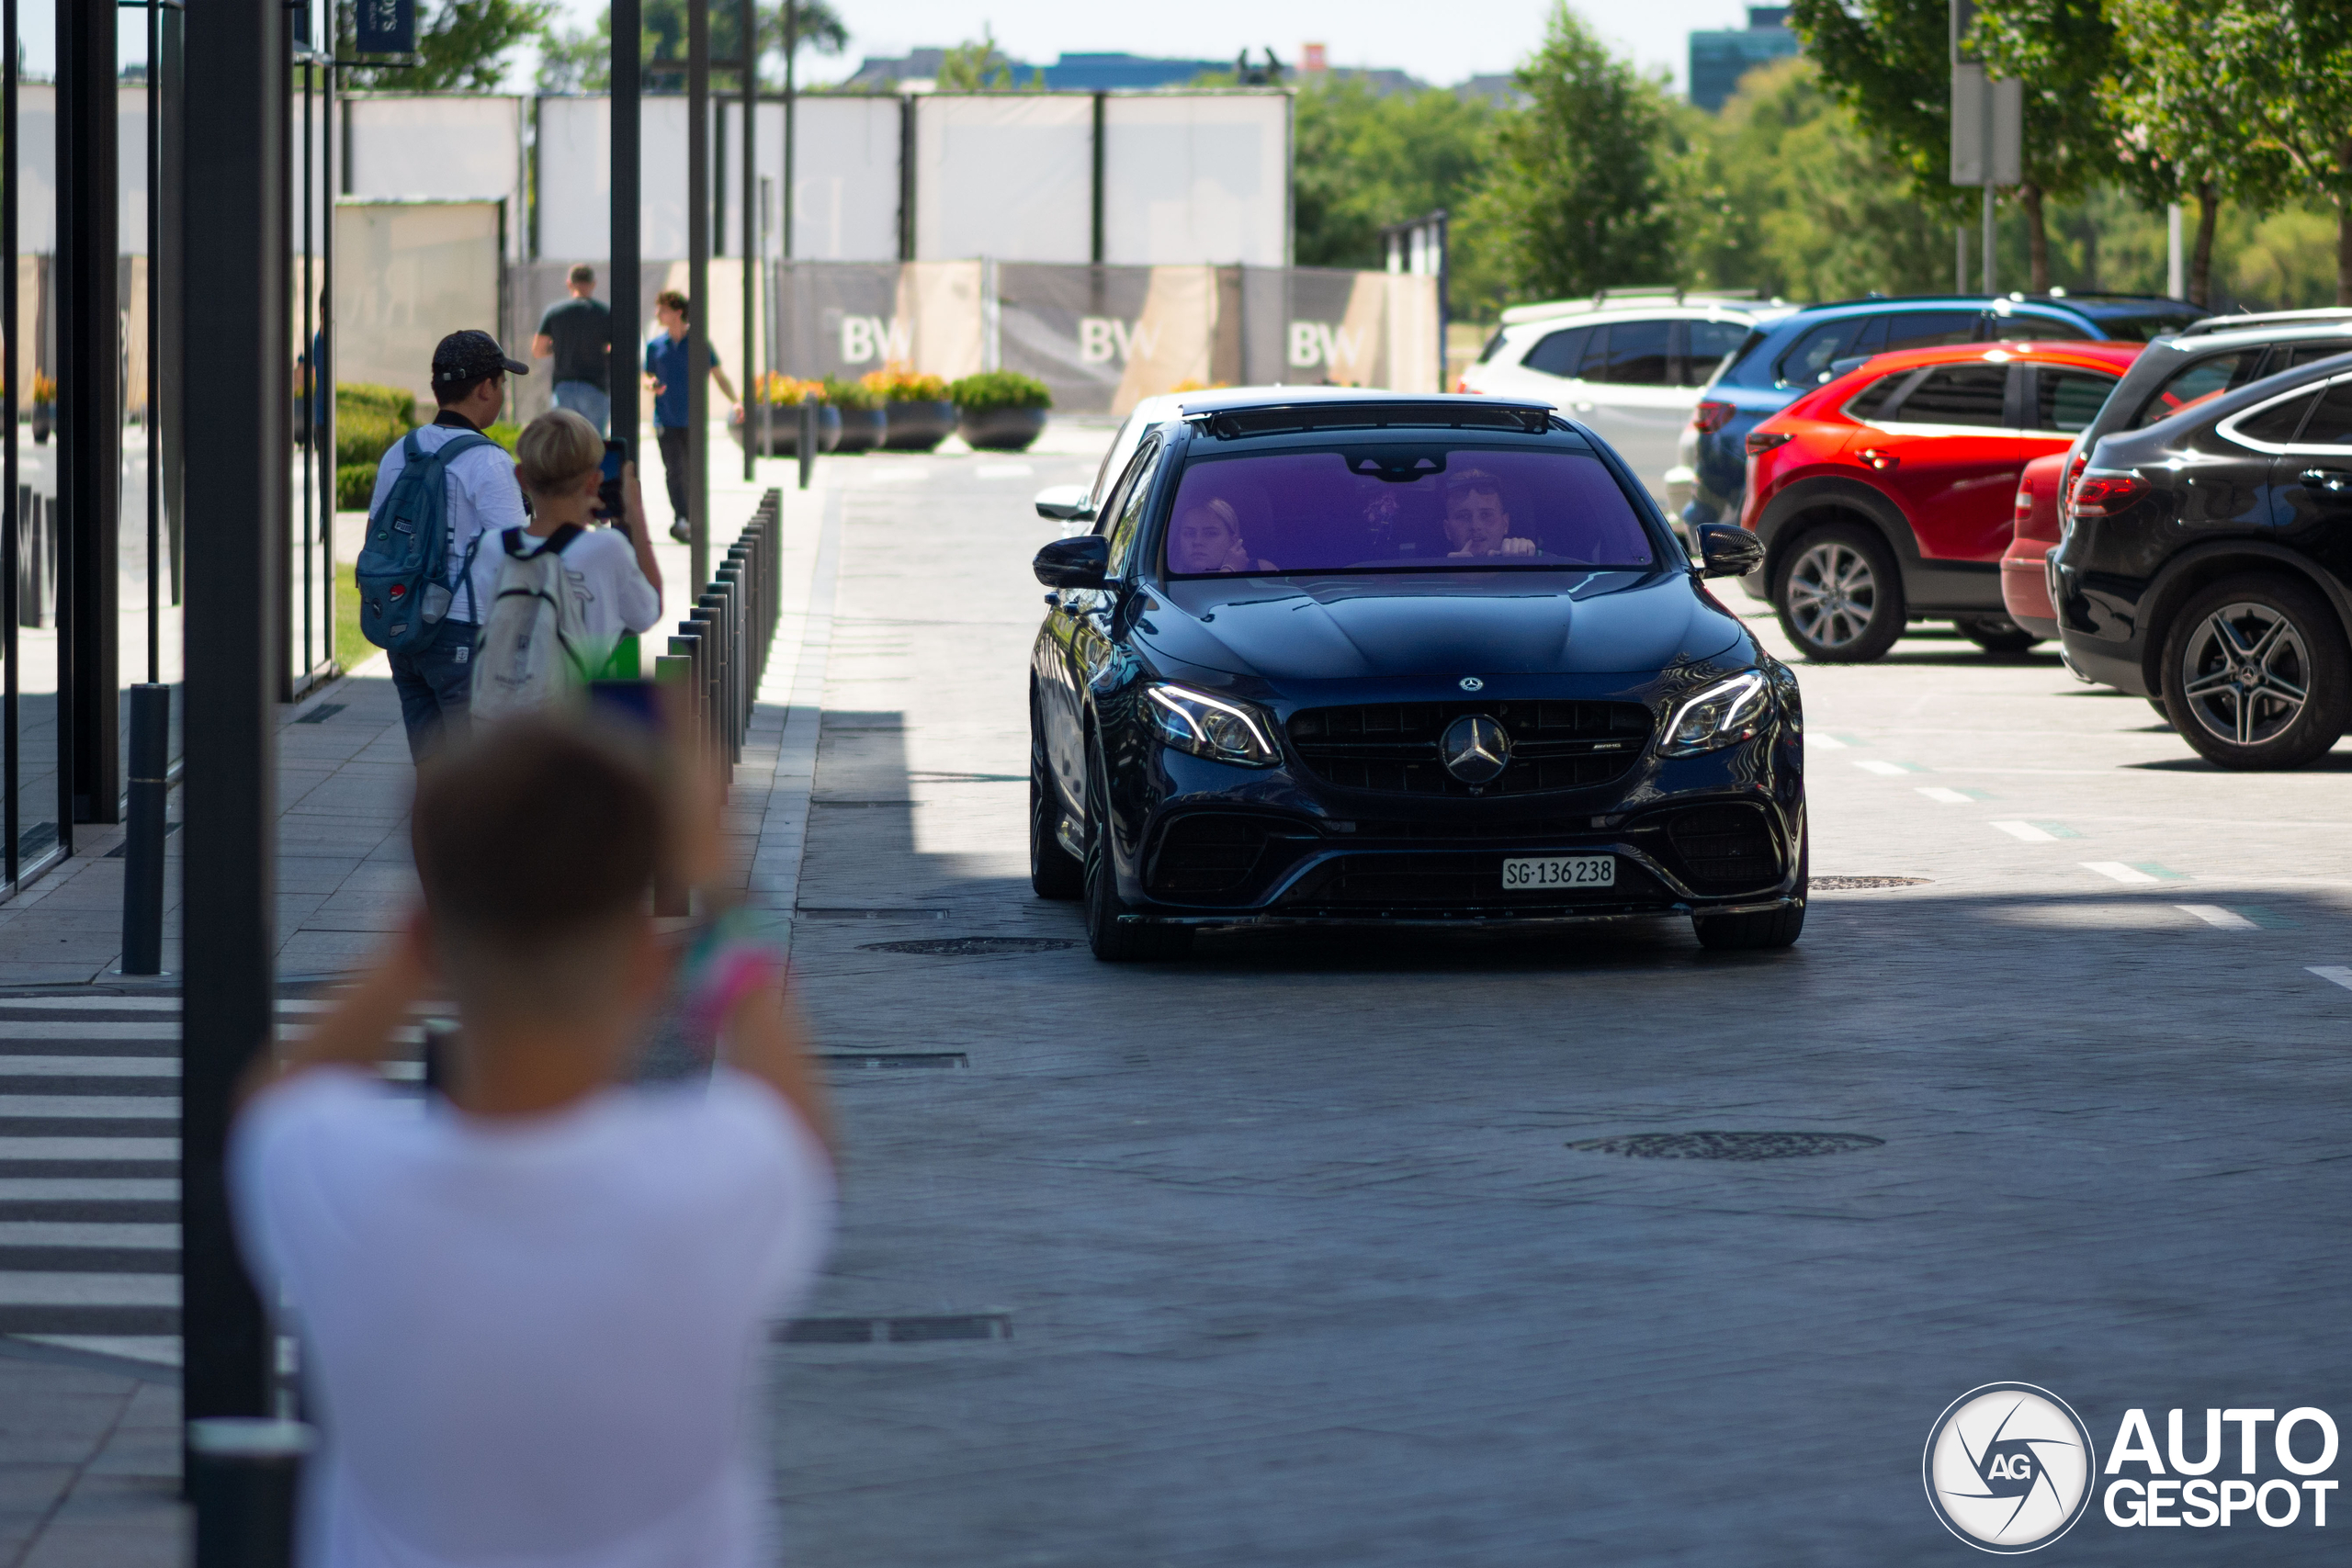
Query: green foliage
(463, 46)
(993, 389)
(351, 397)
(978, 67)
(1364, 161)
(850, 394)
(506, 435)
(368, 420)
(1889, 63)
(1580, 195)
(354, 483)
(574, 61)
(352, 648)
(1785, 195)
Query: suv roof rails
(2318, 315)
(1608, 299)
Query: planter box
(1001, 430)
(862, 430)
(918, 427)
(784, 425)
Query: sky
(1441, 43)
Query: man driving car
(1477, 523)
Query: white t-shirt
(481, 494)
(606, 587)
(530, 1341)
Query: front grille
(1393, 747)
(1208, 852)
(1455, 882)
(1726, 848)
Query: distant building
(1718, 59)
(1078, 73)
(1500, 88)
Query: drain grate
(1856, 884)
(1729, 1146)
(886, 1060)
(969, 946)
(321, 714)
(846, 912)
(895, 1331)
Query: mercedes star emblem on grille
(1475, 749)
(1472, 684)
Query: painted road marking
(2141, 871)
(1948, 797)
(1829, 743)
(2214, 915)
(2336, 971)
(1889, 769)
(2033, 835)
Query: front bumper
(1724, 833)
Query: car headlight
(1724, 715)
(1214, 728)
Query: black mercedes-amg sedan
(2205, 566)
(1394, 659)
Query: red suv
(1888, 495)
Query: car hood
(1501, 623)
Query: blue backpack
(404, 571)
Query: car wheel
(1760, 928)
(1997, 634)
(1839, 595)
(2257, 676)
(1053, 871)
(1115, 940)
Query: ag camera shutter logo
(2008, 1467)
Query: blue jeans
(590, 403)
(435, 680)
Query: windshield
(1401, 508)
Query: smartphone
(608, 492)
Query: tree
(577, 61)
(978, 67)
(1364, 160)
(2056, 48)
(463, 47)
(1786, 195)
(1579, 195)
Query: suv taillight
(2099, 494)
(2073, 472)
(1759, 442)
(2023, 509)
(1711, 416)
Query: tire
(1115, 940)
(1764, 929)
(1053, 871)
(1839, 594)
(2255, 673)
(1997, 634)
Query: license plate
(1561, 871)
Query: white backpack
(527, 657)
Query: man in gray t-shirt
(578, 335)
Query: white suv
(1629, 367)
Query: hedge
(993, 389)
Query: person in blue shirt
(667, 373)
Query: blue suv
(1784, 359)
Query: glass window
(1556, 355)
(2069, 399)
(2276, 425)
(1928, 329)
(1122, 529)
(1958, 394)
(2331, 423)
(2311, 354)
(2026, 326)
(1638, 354)
(1594, 365)
(1439, 506)
(2194, 383)
(2147, 326)
(1710, 342)
(1874, 398)
(1807, 364)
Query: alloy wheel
(2247, 673)
(1833, 593)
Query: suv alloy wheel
(2257, 676)
(1840, 596)
(1053, 871)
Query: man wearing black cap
(436, 678)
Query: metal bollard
(807, 444)
(142, 854)
(243, 1475)
(675, 672)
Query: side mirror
(1729, 552)
(1066, 503)
(1077, 562)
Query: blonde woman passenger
(1207, 537)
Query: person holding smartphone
(610, 573)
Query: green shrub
(993, 389)
(506, 435)
(355, 486)
(364, 436)
(389, 401)
(851, 394)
